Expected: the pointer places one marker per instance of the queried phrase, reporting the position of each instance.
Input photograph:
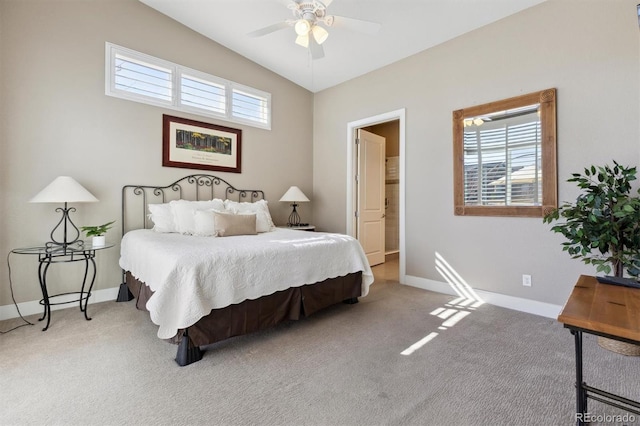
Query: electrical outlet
(526, 280)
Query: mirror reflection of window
(505, 157)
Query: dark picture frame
(193, 144)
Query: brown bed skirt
(265, 312)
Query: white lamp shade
(302, 27)
(64, 189)
(294, 195)
(302, 40)
(320, 34)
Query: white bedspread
(192, 275)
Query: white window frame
(177, 71)
(110, 79)
(208, 78)
(250, 91)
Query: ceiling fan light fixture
(302, 40)
(311, 22)
(319, 34)
(302, 27)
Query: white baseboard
(510, 302)
(34, 307)
(517, 303)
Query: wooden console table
(603, 310)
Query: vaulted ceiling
(407, 27)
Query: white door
(370, 195)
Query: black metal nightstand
(49, 255)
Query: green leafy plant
(603, 225)
(96, 231)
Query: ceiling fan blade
(268, 30)
(326, 2)
(359, 25)
(317, 51)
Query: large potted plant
(602, 227)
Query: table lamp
(64, 189)
(294, 196)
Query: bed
(206, 261)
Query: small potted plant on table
(603, 227)
(97, 232)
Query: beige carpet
(342, 366)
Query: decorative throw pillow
(227, 224)
(183, 213)
(264, 223)
(162, 217)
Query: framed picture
(194, 145)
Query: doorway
(391, 126)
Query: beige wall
(58, 121)
(588, 50)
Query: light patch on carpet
(453, 311)
(420, 343)
(454, 319)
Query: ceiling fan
(308, 17)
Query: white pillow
(162, 217)
(183, 213)
(264, 223)
(205, 224)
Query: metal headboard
(136, 198)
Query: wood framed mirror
(504, 157)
